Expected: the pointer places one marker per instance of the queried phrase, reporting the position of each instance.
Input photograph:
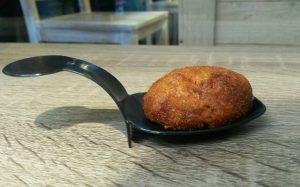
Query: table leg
(163, 35)
(149, 40)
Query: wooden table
(109, 27)
(63, 130)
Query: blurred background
(190, 22)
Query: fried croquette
(196, 97)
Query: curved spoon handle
(43, 65)
(100, 76)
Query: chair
(94, 27)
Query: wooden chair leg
(162, 36)
(149, 40)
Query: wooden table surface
(64, 130)
(106, 27)
(108, 21)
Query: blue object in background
(120, 6)
(130, 5)
(134, 5)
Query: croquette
(196, 97)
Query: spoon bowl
(131, 106)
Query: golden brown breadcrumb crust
(192, 97)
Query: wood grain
(219, 22)
(258, 22)
(63, 130)
(197, 22)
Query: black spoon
(131, 106)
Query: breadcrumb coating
(199, 96)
